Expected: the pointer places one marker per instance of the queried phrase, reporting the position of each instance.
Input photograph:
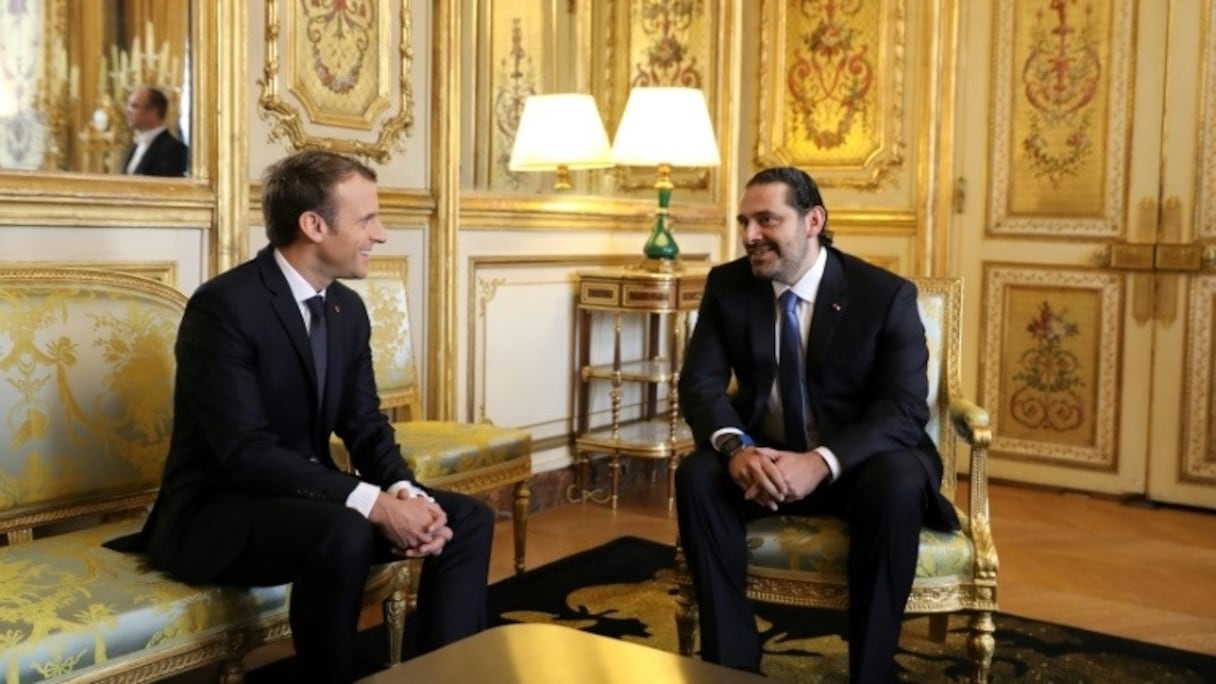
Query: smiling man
(829, 356)
(272, 357)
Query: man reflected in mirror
(154, 151)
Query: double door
(1085, 229)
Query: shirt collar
(808, 285)
(146, 137)
(300, 289)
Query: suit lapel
(337, 318)
(830, 303)
(762, 325)
(288, 312)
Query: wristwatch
(734, 443)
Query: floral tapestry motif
(831, 75)
(340, 32)
(1046, 397)
(519, 82)
(1060, 78)
(668, 59)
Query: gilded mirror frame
(68, 198)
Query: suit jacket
(166, 156)
(247, 424)
(866, 363)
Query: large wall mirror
(81, 83)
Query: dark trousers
(883, 501)
(326, 551)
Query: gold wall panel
(163, 272)
(335, 66)
(1050, 363)
(1205, 153)
(1060, 117)
(1198, 416)
(518, 60)
(340, 74)
(832, 88)
(659, 43)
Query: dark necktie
(790, 374)
(318, 338)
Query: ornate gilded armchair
(464, 457)
(802, 561)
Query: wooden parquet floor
(1137, 572)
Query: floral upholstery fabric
(819, 545)
(86, 387)
(436, 449)
(68, 604)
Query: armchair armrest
(972, 424)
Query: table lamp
(560, 132)
(665, 127)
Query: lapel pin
(836, 307)
(337, 309)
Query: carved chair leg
(686, 620)
(232, 670)
(939, 625)
(523, 499)
(981, 645)
(395, 608)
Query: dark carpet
(623, 589)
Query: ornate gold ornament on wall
(338, 74)
(832, 89)
(1060, 113)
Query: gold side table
(663, 302)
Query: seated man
(153, 151)
(830, 358)
(272, 357)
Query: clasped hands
(415, 526)
(771, 477)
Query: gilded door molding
(1198, 458)
(1062, 97)
(1050, 363)
(832, 89)
(340, 74)
(1205, 152)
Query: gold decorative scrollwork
(337, 77)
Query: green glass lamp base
(662, 243)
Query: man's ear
(312, 226)
(815, 220)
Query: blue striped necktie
(318, 339)
(791, 375)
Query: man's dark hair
(158, 101)
(304, 182)
(801, 193)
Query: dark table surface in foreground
(543, 654)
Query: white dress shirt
(142, 140)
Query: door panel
(1090, 311)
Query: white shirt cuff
(362, 498)
(830, 459)
(414, 492)
(720, 434)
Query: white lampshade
(665, 126)
(560, 130)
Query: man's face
(345, 247)
(780, 245)
(141, 115)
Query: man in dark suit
(153, 151)
(250, 494)
(835, 426)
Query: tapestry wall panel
(1199, 414)
(833, 96)
(1061, 117)
(1050, 363)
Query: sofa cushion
(435, 449)
(820, 545)
(68, 604)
